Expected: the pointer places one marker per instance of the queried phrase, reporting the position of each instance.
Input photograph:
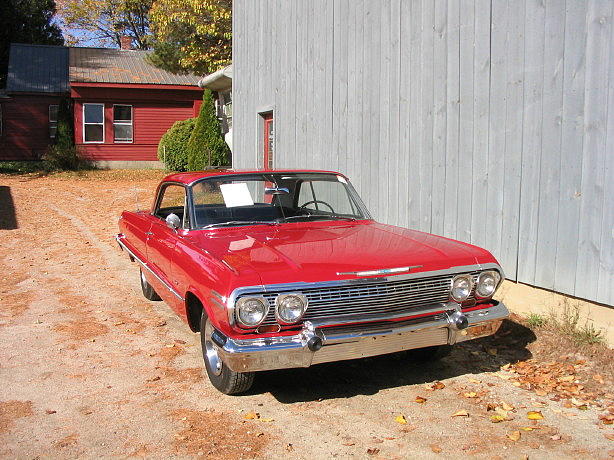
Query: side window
(172, 201)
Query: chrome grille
(386, 297)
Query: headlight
(461, 287)
(487, 283)
(289, 308)
(251, 311)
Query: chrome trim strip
(260, 289)
(381, 271)
(119, 239)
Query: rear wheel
(221, 376)
(431, 353)
(148, 290)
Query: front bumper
(357, 341)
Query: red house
(122, 105)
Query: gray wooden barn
(487, 121)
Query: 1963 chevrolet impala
(283, 269)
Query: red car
(283, 269)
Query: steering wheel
(316, 202)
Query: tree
(191, 35)
(206, 146)
(105, 21)
(26, 21)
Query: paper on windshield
(236, 195)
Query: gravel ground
(89, 368)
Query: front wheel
(221, 376)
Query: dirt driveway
(89, 368)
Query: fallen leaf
(541, 392)
(289, 447)
(490, 406)
(267, 420)
(461, 413)
(492, 351)
(607, 419)
(50, 411)
(556, 437)
(438, 386)
(599, 379)
(470, 394)
(516, 384)
(474, 381)
(507, 407)
(609, 436)
(251, 416)
(527, 428)
(348, 444)
(373, 451)
(566, 378)
(514, 435)
(420, 400)
(400, 419)
(435, 448)
(497, 418)
(535, 415)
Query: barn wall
(154, 112)
(25, 126)
(491, 122)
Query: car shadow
(8, 217)
(370, 375)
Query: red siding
(154, 111)
(25, 126)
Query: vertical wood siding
(491, 122)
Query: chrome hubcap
(213, 359)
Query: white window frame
(83, 123)
(53, 121)
(131, 141)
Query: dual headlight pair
(289, 309)
(485, 287)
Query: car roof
(192, 176)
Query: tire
(148, 290)
(221, 376)
(431, 353)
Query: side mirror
(173, 221)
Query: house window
(122, 123)
(227, 108)
(53, 120)
(93, 123)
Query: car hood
(322, 251)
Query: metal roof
(37, 69)
(103, 65)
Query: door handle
(148, 233)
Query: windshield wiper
(320, 216)
(240, 222)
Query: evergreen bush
(207, 146)
(173, 147)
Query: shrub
(62, 154)
(207, 147)
(172, 149)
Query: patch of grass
(536, 320)
(567, 321)
(23, 167)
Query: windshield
(274, 198)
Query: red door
(268, 141)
